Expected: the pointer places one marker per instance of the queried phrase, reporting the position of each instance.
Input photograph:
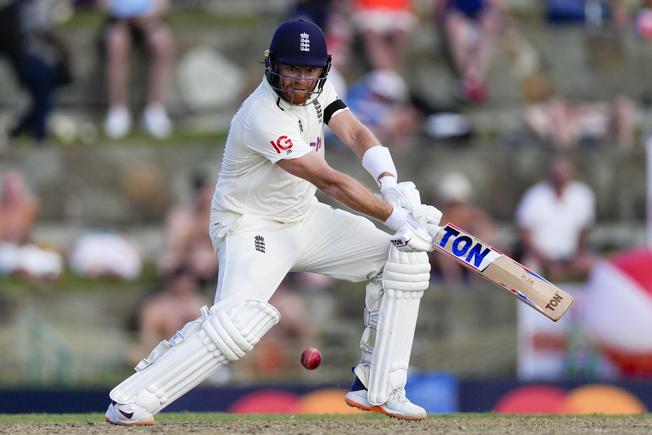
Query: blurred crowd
(369, 41)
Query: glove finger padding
(410, 190)
(404, 195)
(415, 226)
(426, 215)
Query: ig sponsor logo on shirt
(283, 143)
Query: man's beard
(296, 96)
(299, 92)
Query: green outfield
(333, 424)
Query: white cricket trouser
(256, 254)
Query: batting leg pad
(222, 334)
(391, 322)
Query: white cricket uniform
(265, 221)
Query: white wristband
(397, 219)
(377, 160)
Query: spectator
(317, 11)
(383, 102)
(143, 18)
(554, 217)
(385, 26)
(38, 57)
(18, 210)
(640, 18)
(380, 101)
(187, 241)
(564, 123)
(470, 28)
(18, 213)
(165, 313)
(456, 195)
(588, 12)
(103, 253)
(643, 19)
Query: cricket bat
(503, 271)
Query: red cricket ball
(311, 358)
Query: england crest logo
(304, 42)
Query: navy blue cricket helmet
(302, 43)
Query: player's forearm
(354, 195)
(360, 140)
(357, 137)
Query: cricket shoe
(128, 415)
(397, 405)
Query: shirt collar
(279, 102)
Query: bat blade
(503, 271)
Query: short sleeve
(331, 102)
(275, 137)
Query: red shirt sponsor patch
(283, 143)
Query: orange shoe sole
(380, 410)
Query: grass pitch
(363, 423)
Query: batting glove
(404, 195)
(414, 230)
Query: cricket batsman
(266, 221)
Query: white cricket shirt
(265, 130)
(556, 222)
